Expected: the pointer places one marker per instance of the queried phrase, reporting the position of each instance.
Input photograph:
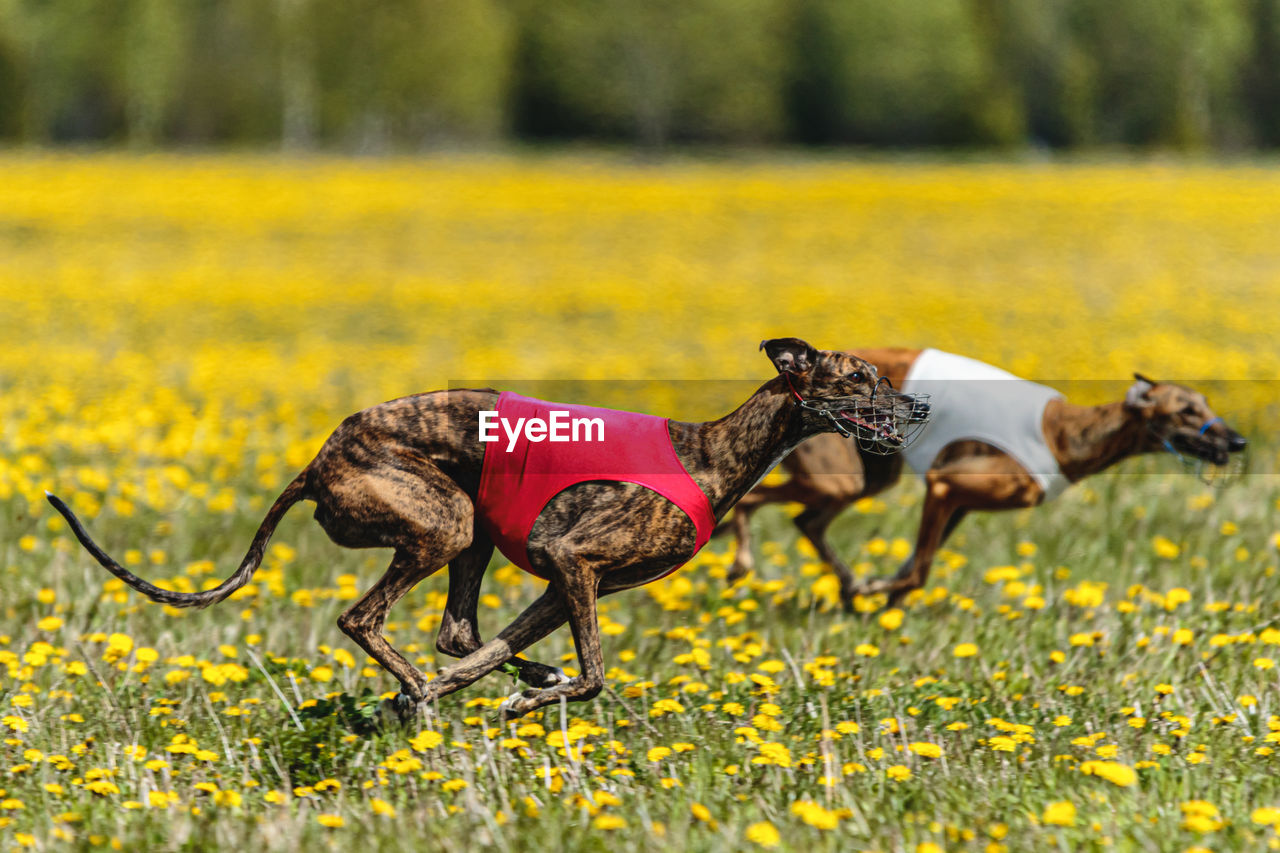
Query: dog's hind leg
(363, 621)
(459, 634)
(420, 512)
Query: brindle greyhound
(405, 474)
(827, 476)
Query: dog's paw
(399, 710)
(542, 675)
(511, 706)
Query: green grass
(320, 744)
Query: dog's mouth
(1203, 448)
(882, 424)
(1216, 461)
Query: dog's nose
(1237, 442)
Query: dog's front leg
(537, 621)
(813, 523)
(459, 634)
(938, 519)
(579, 589)
(744, 562)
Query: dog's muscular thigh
(413, 509)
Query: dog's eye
(858, 376)
(1189, 409)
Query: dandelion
(763, 834)
(1266, 816)
(891, 619)
(965, 650)
(1165, 548)
(1112, 771)
(1061, 813)
(926, 750)
(898, 772)
(426, 739)
(815, 815)
(331, 821)
(1200, 816)
(608, 822)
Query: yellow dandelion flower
(1112, 771)
(926, 750)
(891, 619)
(1061, 813)
(1165, 548)
(426, 739)
(763, 834)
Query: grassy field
(182, 332)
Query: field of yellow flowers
(181, 332)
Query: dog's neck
(1089, 439)
(727, 457)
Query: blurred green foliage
(375, 75)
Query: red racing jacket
(520, 476)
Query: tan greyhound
(827, 475)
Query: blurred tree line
(373, 75)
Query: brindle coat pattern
(404, 475)
(827, 476)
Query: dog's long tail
(292, 493)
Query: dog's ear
(790, 355)
(1136, 397)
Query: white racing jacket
(973, 400)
